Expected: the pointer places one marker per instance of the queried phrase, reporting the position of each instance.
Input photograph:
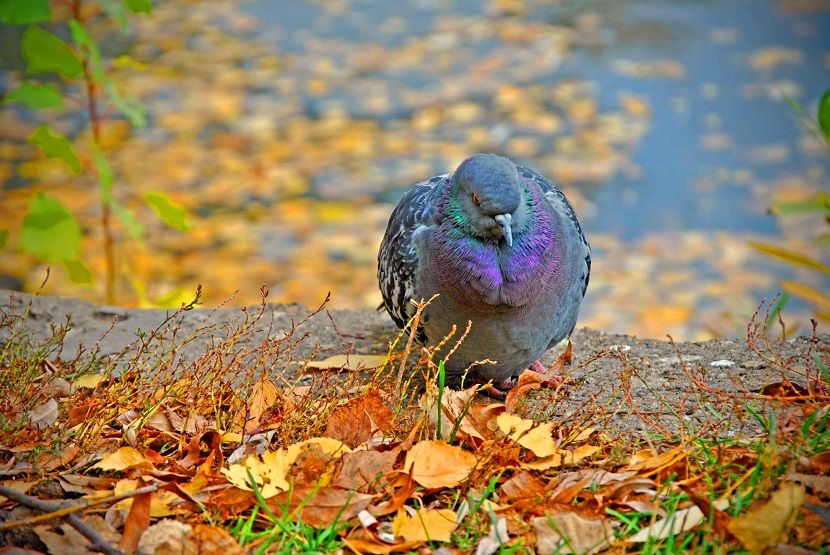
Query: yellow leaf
(90, 381)
(124, 458)
(327, 445)
(513, 426)
(425, 525)
(818, 298)
(351, 362)
(790, 256)
(436, 464)
(160, 501)
(536, 438)
(269, 473)
(561, 457)
(770, 523)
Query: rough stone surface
(660, 385)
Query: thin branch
(59, 509)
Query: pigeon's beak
(504, 221)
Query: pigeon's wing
(398, 259)
(562, 205)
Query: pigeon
(502, 248)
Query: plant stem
(106, 209)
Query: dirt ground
(617, 382)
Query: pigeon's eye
(476, 199)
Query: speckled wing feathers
(397, 259)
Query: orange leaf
(138, 519)
(436, 464)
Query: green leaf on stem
(24, 12)
(132, 225)
(35, 96)
(49, 230)
(44, 52)
(82, 38)
(55, 145)
(172, 214)
(132, 108)
(824, 114)
(78, 271)
(139, 6)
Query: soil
(619, 382)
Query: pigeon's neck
(474, 271)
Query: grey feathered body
(522, 298)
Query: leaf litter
(219, 455)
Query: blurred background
(289, 129)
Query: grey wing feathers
(397, 259)
(558, 200)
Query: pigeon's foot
(498, 390)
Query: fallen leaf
(348, 362)
(44, 415)
(361, 469)
(269, 473)
(653, 463)
(820, 485)
(536, 437)
(436, 464)
(679, 521)
(63, 539)
(88, 381)
(425, 525)
(359, 419)
(770, 523)
(571, 533)
(124, 458)
(171, 537)
(137, 521)
(495, 538)
(322, 506)
(263, 395)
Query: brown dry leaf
(63, 539)
(770, 523)
(523, 485)
(363, 542)
(360, 469)
(348, 362)
(820, 485)
(321, 506)
(425, 525)
(454, 405)
(124, 458)
(571, 533)
(436, 464)
(263, 395)
(43, 415)
(538, 438)
(359, 419)
(171, 537)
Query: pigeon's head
(489, 196)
